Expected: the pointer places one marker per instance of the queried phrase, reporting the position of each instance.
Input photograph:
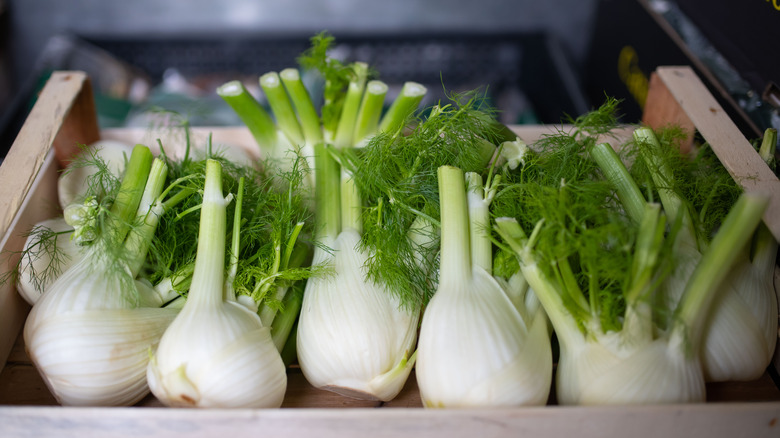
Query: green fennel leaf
(396, 174)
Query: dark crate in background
(747, 34)
(505, 66)
(730, 47)
(527, 77)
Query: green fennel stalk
(254, 116)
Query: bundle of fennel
(344, 314)
(376, 201)
(598, 255)
(441, 224)
(217, 352)
(484, 340)
(242, 301)
(96, 308)
(741, 333)
(132, 251)
(389, 217)
(389, 205)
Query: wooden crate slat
(755, 420)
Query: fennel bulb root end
(383, 387)
(349, 391)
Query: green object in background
(111, 112)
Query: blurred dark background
(537, 61)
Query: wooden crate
(65, 115)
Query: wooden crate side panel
(755, 420)
(80, 127)
(39, 205)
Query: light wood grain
(80, 126)
(662, 109)
(690, 421)
(41, 203)
(64, 113)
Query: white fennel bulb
(73, 183)
(88, 335)
(742, 333)
(605, 370)
(97, 357)
(44, 258)
(476, 348)
(89, 339)
(216, 353)
(353, 336)
(633, 361)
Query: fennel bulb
(73, 184)
(216, 353)
(88, 335)
(742, 331)
(742, 335)
(44, 258)
(477, 348)
(610, 369)
(353, 336)
(635, 363)
(597, 271)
